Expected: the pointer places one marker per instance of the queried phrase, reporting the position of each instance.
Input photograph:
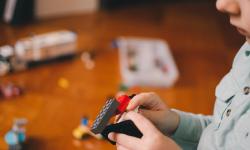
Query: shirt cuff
(189, 128)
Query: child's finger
(126, 141)
(138, 100)
(143, 124)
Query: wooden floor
(202, 42)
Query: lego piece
(131, 52)
(84, 121)
(90, 65)
(111, 108)
(125, 127)
(16, 136)
(123, 87)
(133, 67)
(83, 130)
(10, 90)
(160, 64)
(4, 66)
(88, 59)
(80, 132)
(6, 51)
(106, 113)
(63, 83)
(124, 101)
(11, 138)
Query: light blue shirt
(229, 126)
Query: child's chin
(248, 40)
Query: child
(227, 129)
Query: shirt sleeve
(190, 128)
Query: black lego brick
(104, 116)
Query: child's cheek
(248, 24)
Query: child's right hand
(151, 139)
(156, 111)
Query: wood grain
(202, 42)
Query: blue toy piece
(21, 137)
(84, 121)
(11, 138)
(16, 136)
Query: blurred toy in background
(16, 137)
(146, 62)
(63, 83)
(122, 89)
(37, 50)
(5, 53)
(83, 130)
(131, 55)
(9, 90)
(88, 59)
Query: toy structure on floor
(111, 108)
(37, 50)
(15, 138)
(83, 130)
(9, 90)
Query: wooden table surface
(201, 40)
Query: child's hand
(156, 111)
(149, 101)
(152, 139)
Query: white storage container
(146, 62)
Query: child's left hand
(152, 138)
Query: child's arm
(190, 128)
